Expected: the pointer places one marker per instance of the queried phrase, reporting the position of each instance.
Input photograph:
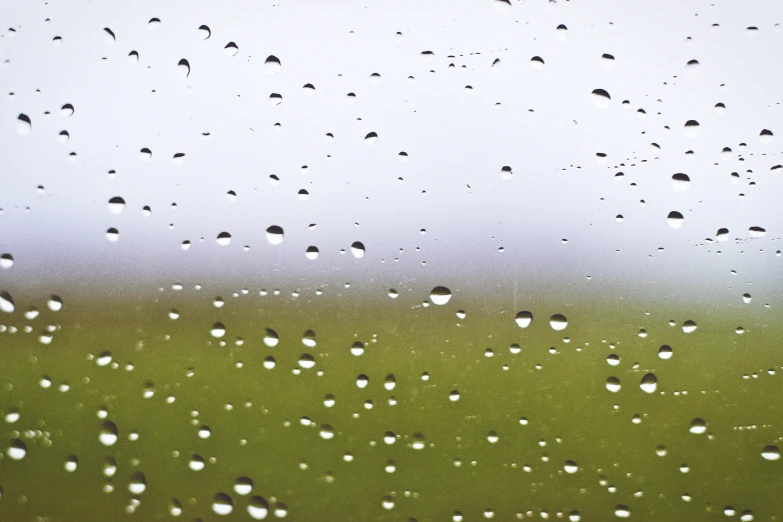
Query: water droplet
(108, 433)
(308, 339)
(537, 62)
(257, 507)
(371, 138)
(440, 295)
(524, 319)
(103, 359)
(691, 128)
(756, 232)
(243, 486)
(153, 24)
(357, 249)
(665, 352)
(621, 511)
(649, 383)
(54, 303)
(362, 381)
(218, 330)
(146, 154)
(223, 239)
(570, 467)
(113, 235)
(311, 253)
(771, 453)
(506, 173)
(6, 302)
(272, 65)
(222, 504)
(698, 426)
(183, 68)
(270, 338)
(675, 219)
(275, 99)
(16, 449)
(6, 261)
(327, 432)
(689, 326)
(67, 110)
(607, 61)
(71, 463)
(204, 32)
(231, 49)
(306, 361)
(613, 384)
(196, 462)
(109, 36)
(601, 98)
(23, 124)
(204, 432)
(558, 322)
(681, 182)
(274, 235)
(766, 137)
(116, 205)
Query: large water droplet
(243, 486)
(675, 219)
(271, 338)
(771, 453)
(257, 507)
(272, 65)
(681, 182)
(558, 322)
(223, 239)
(204, 32)
(55, 303)
(698, 426)
(6, 302)
(108, 433)
(570, 467)
(218, 330)
(613, 384)
(691, 128)
(371, 138)
(440, 295)
(274, 235)
(766, 137)
(649, 383)
(222, 504)
(183, 68)
(16, 449)
(689, 326)
(601, 98)
(357, 249)
(231, 49)
(116, 205)
(757, 232)
(524, 319)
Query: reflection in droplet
(275, 99)
(222, 504)
(691, 129)
(272, 65)
(16, 449)
(649, 383)
(271, 338)
(771, 453)
(757, 232)
(766, 136)
(558, 322)
(257, 507)
(698, 426)
(524, 319)
(6, 302)
(357, 249)
(537, 62)
(371, 138)
(613, 384)
(223, 239)
(274, 235)
(67, 110)
(108, 433)
(55, 303)
(116, 205)
(681, 182)
(570, 467)
(183, 68)
(440, 295)
(675, 219)
(218, 330)
(231, 49)
(689, 326)
(113, 235)
(311, 253)
(665, 352)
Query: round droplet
(558, 322)
(308, 339)
(306, 361)
(570, 467)
(218, 330)
(272, 65)
(506, 173)
(231, 49)
(311, 253)
(427, 56)
(327, 432)
(6, 302)
(222, 504)
(766, 137)
(691, 128)
(698, 426)
(357, 249)
(67, 110)
(23, 124)
(537, 62)
(104, 359)
(771, 453)
(54, 303)
(116, 205)
(108, 433)
(223, 239)
(257, 507)
(675, 219)
(524, 319)
(274, 235)
(71, 463)
(665, 352)
(146, 154)
(275, 99)
(440, 295)
(270, 338)
(196, 462)
(243, 486)
(681, 182)
(183, 68)
(371, 138)
(108, 36)
(601, 98)
(621, 511)
(204, 32)
(649, 383)
(613, 384)
(113, 235)
(16, 449)
(757, 232)
(689, 326)
(362, 381)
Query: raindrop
(67, 110)
(362, 381)
(311, 253)
(613, 384)
(138, 483)
(133, 57)
(270, 338)
(109, 35)
(675, 219)
(665, 352)
(275, 99)
(601, 98)
(607, 61)
(308, 339)
(698, 426)
(113, 235)
(766, 137)
(306, 361)
(440, 295)
(6, 302)
(257, 507)
(222, 504)
(153, 24)
(570, 467)
(274, 235)
(231, 49)
(558, 322)
(756, 232)
(108, 433)
(357, 249)
(204, 32)
(524, 319)
(54, 303)
(371, 138)
(689, 326)
(621, 511)
(746, 298)
(23, 124)
(427, 56)
(183, 68)
(649, 383)
(116, 205)
(771, 453)
(243, 486)
(505, 173)
(223, 239)
(691, 128)
(327, 432)
(272, 65)
(537, 62)
(196, 462)
(71, 463)
(146, 154)
(722, 234)
(357, 349)
(16, 449)
(218, 330)
(64, 136)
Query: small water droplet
(204, 32)
(218, 330)
(116, 205)
(108, 433)
(183, 68)
(23, 124)
(6, 302)
(272, 65)
(771, 453)
(231, 49)
(689, 326)
(558, 322)
(16, 449)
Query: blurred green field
(269, 425)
